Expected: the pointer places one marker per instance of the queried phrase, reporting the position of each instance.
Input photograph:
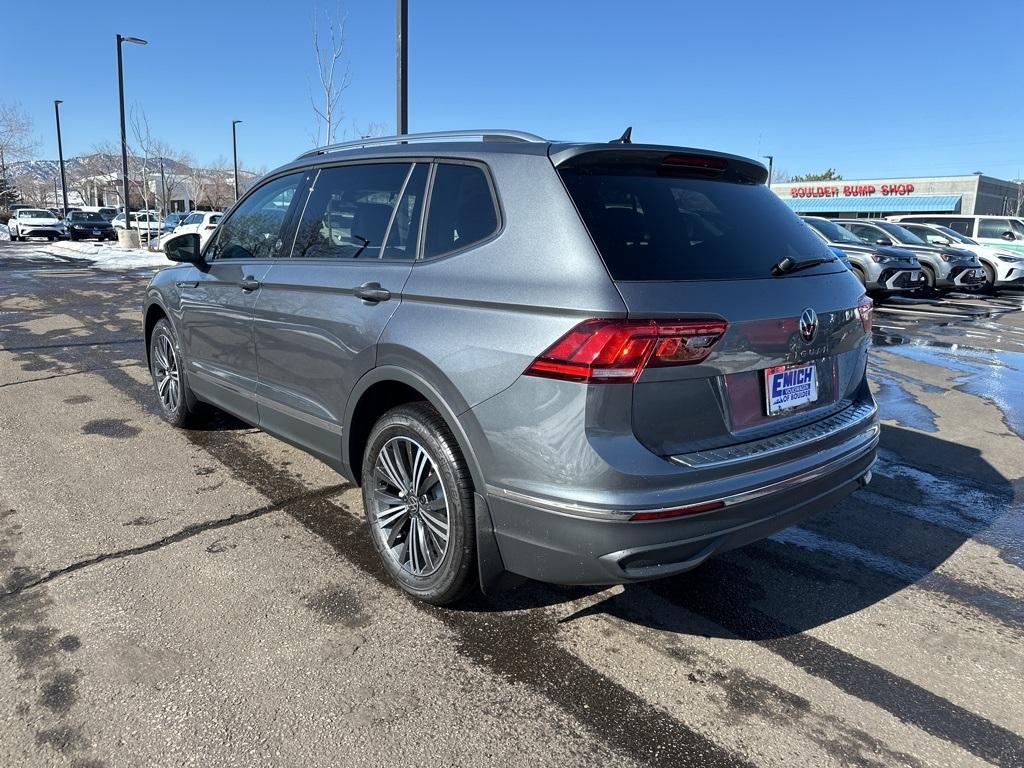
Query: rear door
(217, 300)
(694, 238)
(321, 311)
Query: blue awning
(873, 203)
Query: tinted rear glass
(652, 227)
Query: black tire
(419, 426)
(990, 279)
(186, 410)
(929, 280)
(859, 274)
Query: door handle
(372, 292)
(249, 283)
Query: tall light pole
(770, 159)
(124, 137)
(60, 155)
(234, 152)
(402, 66)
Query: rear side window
(462, 210)
(349, 210)
(654, 227)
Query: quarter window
(349, 210)
(462, 209)
(993, 228)
(256, 228)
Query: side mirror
(940, 241)
(883, 241)
(1008, 235)
(184, 248)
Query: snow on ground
(108, 255)
(5, 233)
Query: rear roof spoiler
(583, 155)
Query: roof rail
(486, 134)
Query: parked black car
(82, 225)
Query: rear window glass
(652, 227)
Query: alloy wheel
(411, 516)
(165, 371)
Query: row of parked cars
(101, 223)
(914, 252)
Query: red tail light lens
(865, 309)
(693, 509)
(210, 226)
(618, 350)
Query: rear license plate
(95, 231)
(788, 387)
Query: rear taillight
(618, 350)
(210, 226)
(865, 308)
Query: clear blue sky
(794, 79)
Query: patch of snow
(109, 255)
(5, 233)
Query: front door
(217, 298)
(320, 313)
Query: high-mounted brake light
(696, 161)
(865, 309)
(619, 350)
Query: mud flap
(493, 576)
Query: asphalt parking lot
(211, 598)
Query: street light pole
(163, 190)
(402, 73)
(124, 137)
(770, 159)
(234, 152)
(60, 155)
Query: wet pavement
(211, 597)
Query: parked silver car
(944, 267)
(580, 363)
(884, 269)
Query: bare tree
(328, 112)
(16, 138)
(780, 176)
(142, 156)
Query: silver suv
(580, 363)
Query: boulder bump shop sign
(852, 190)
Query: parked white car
(148, 223)
(203, 223)
(35, 222)
(1003, 267)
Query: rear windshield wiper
(785, 265)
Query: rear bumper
(566, 543)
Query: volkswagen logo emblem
(808, 325)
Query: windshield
(901, 234)
(86, 216)
(954, 234)
(33, 213)
(655, 227)
(833, 232)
